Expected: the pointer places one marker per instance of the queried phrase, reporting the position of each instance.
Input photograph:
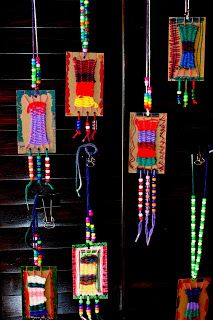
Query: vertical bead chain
(200, 236)
(47, 168)
(38, 162)
(193, 235)
(140, 196)
(30, 166)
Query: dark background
(142, 280)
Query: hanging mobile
(192, 293)
(84, 82)
(36, 136)
(147, 147)
(186, 54)
(89, 260)
(36, 120)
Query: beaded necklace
(196, 253)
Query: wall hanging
(39, 294)
(89, 260)
(36, 127)
(84, 82)
(193, 299)
(186, 54)
(147, 148)
(39, 287)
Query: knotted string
(78, 178)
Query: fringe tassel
(194, 101)
(139, 230)
(185, 95)
(26, 193)
(179, 92)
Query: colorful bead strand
(140, 204)
(78, 127)
(87, 129)
(31, 176)
(197, 253)
(94, 127)
(47, 170)
(84, 24)
(88, 308)
(81, 307)
(38, 167)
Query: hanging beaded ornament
(36, 118)
(192, 292)
(147, 146)
(84, 90)
(197, 252)
(36, 121)
(84, 81)
(192, 299)
(89, 260)
(186, 54)
(39, 295)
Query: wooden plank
(58, 237)
(11, 261)
(69, 214)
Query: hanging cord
(186, 13)
(36, 240)
(31, 223)
(36, 67)
(147, 79)
(78, 178)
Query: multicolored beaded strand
(84, 25)
(38, 172)
(196, 253)
(35, 61)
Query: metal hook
(48, 224)
(199, 159)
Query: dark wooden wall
(142, 281)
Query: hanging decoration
(186, 54)
(36, 121)
(147, 148)
(192, 294)
(192, 299)
(89, 260)
(39, 282)
(39, 293)
(84, 82)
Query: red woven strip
(39, 106)
(143, 125)
(67, 93)
(85, 89)
(105, 271)
(74, 270)
(146, 145)
(146, 153)
(51, 314)
(101, 84)
(26, 295)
